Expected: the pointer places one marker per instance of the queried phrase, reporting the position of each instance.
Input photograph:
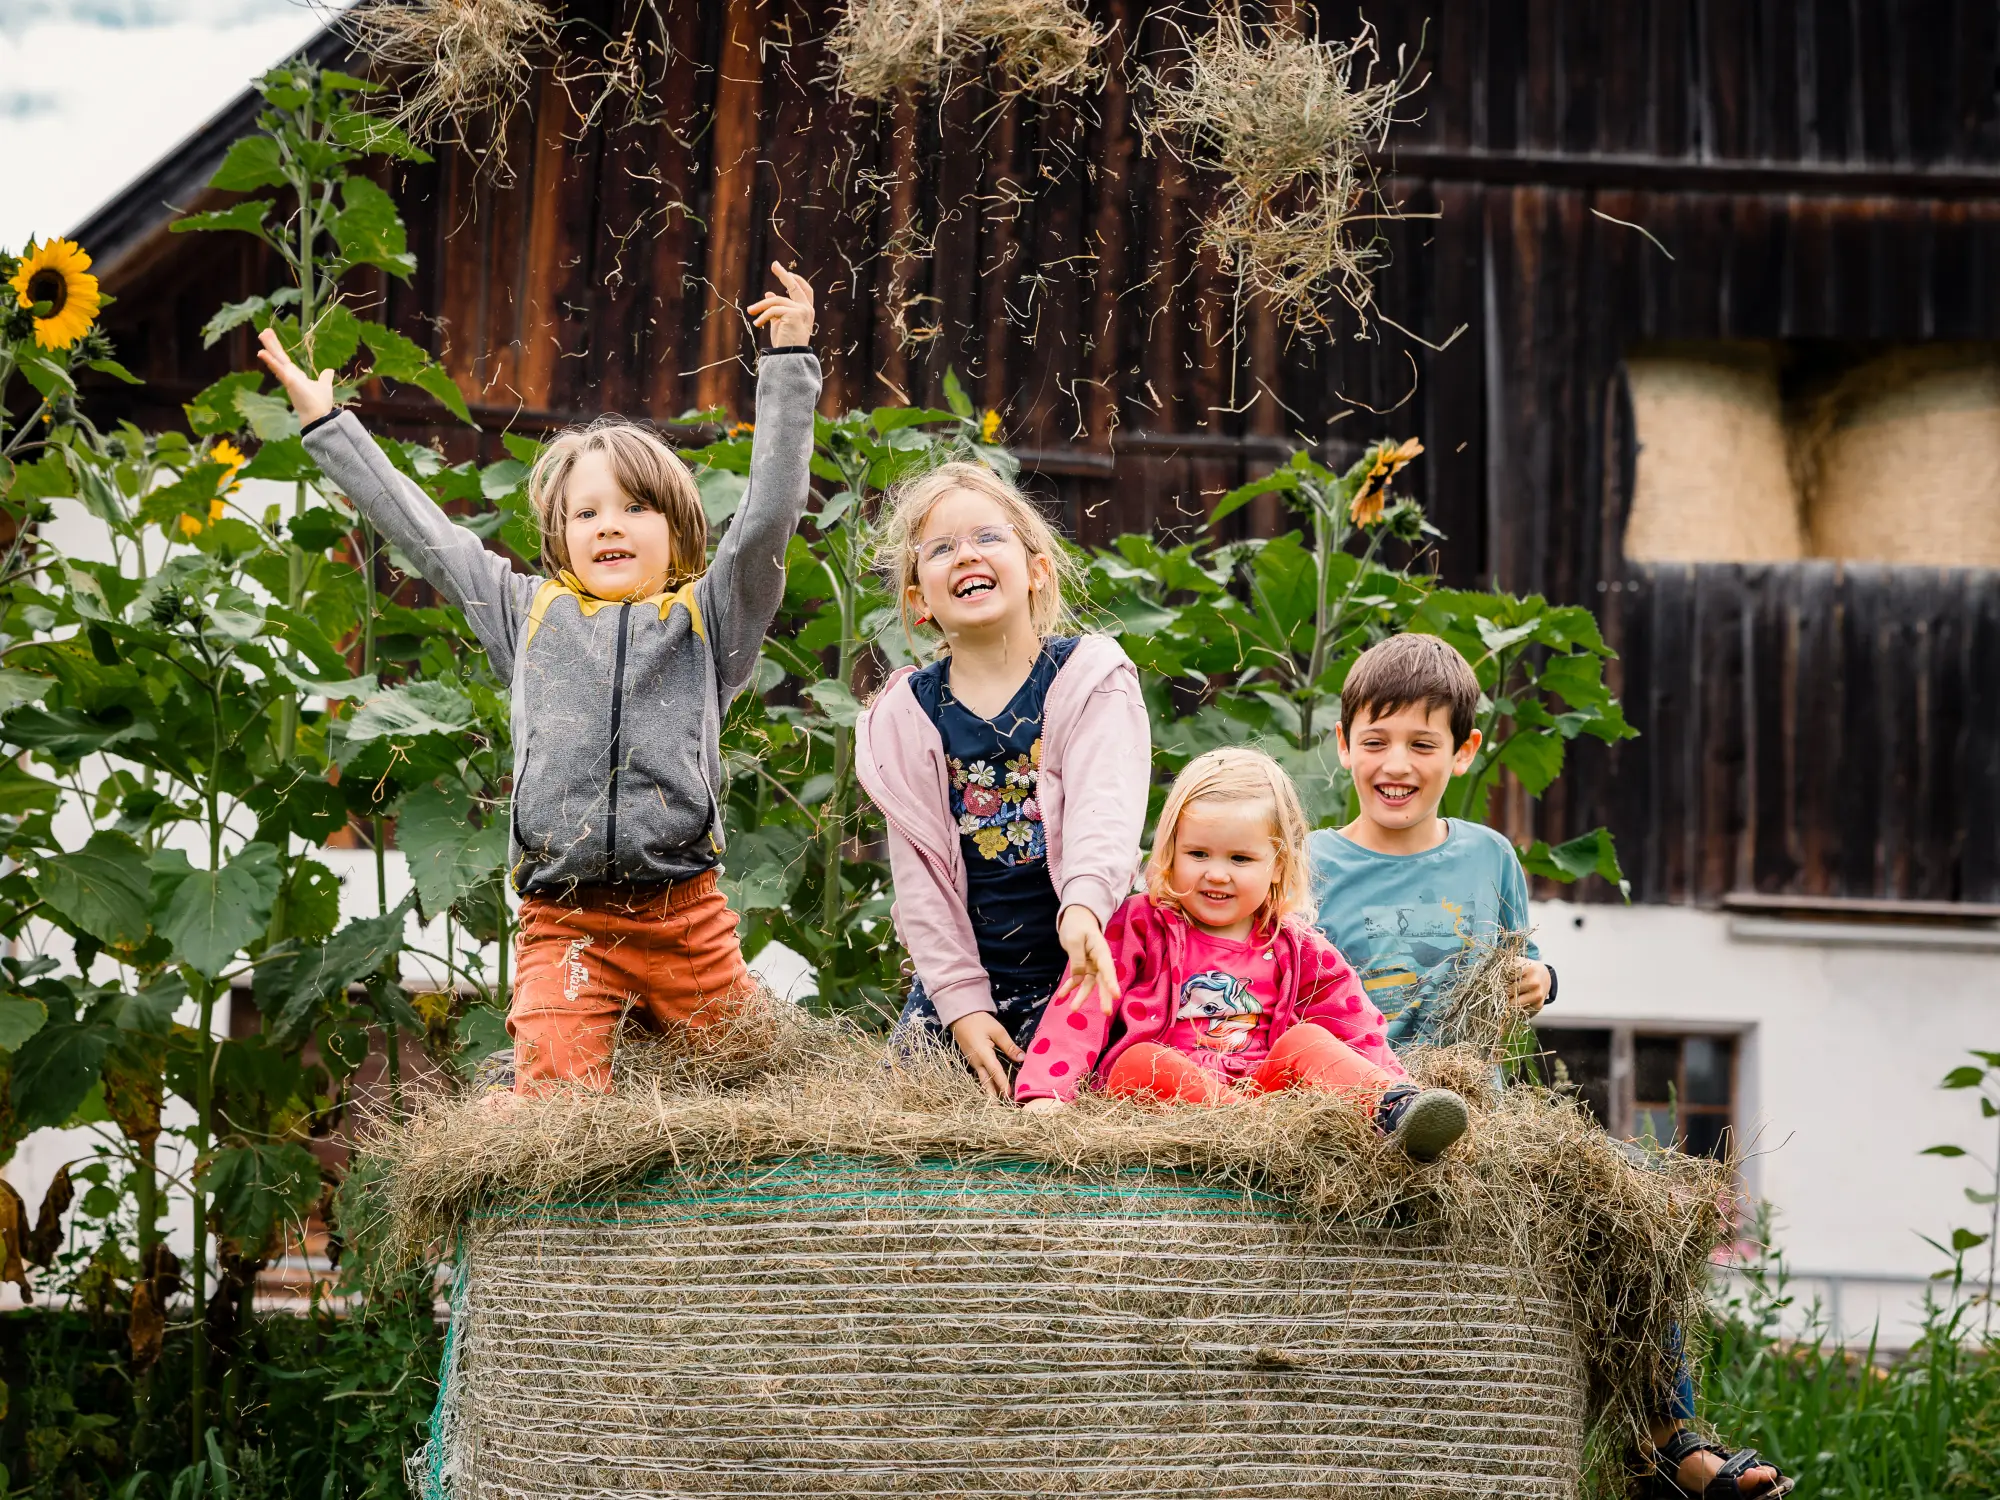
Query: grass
(1848, 1422)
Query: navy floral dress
(995, 770)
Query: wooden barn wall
(1814, 170)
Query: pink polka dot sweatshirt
(1151, 943)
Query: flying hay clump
(882, 48)
(1289, 122)
(471, 59)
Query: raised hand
(788, 314)
(311, 399)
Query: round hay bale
(1714, 483)
(840, 1325)
(1907, 468)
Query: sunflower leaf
(113, 368)
(370, 231)
(46, 376)
(252, 163)
(396, 357)
(247, 216)
(437, 380)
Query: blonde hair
(910, 506)
(1237, 773)
(646, 469)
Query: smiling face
(619, 547)
(1401, 763)
(1225, 858)
(985, 585)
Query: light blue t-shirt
(1406, 922)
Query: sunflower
(231, 458)
(58, 273)
(989, 426)
(1390, 458)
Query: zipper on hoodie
(617, 730)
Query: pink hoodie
(1149, 941)
(1097, 762)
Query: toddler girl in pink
(1226, 990)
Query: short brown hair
(1406, 669)
(646, 469)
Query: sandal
(1725, 1485)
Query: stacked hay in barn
(1714, 481)
(1900, 460)
(784, 1268)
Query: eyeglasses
(983, 539)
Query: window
(1673, 1087)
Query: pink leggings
(1307, 1056)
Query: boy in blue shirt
(1405, 895)
(1408, 897)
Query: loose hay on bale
(471, 62)
(1289, 122)
(882, 48)
(725, 1276)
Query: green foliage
(1855, 1422)
(1256, 639)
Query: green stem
(204, 1102)
(833, 824)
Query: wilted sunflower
(58, 273)
(1390, 458)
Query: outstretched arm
(746, 582)
(451, 559)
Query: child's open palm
(788, 314)
(311, 399)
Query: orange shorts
(667, 957)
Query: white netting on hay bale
(1905, 463)
(837, 1325)
(1714, 483)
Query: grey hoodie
(617, 706)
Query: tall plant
(185, 701)
(1256, 638)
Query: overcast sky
(92, 92)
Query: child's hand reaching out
(311, 399)
(788, 314)
(1091, 966)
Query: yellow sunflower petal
(190, 527)
(58, 273)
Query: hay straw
(1289, 122)
(471, 61)
(1624, 1246)
(882, 48)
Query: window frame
(1622, 1082)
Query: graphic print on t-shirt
(1221, 1009)
(1404, 945)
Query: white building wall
(1845, 1033)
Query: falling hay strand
(1289, 122)
(1620, 1239)
(471, 61)
(882, 48)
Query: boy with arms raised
(1407, 896)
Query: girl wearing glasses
(1012, 771)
